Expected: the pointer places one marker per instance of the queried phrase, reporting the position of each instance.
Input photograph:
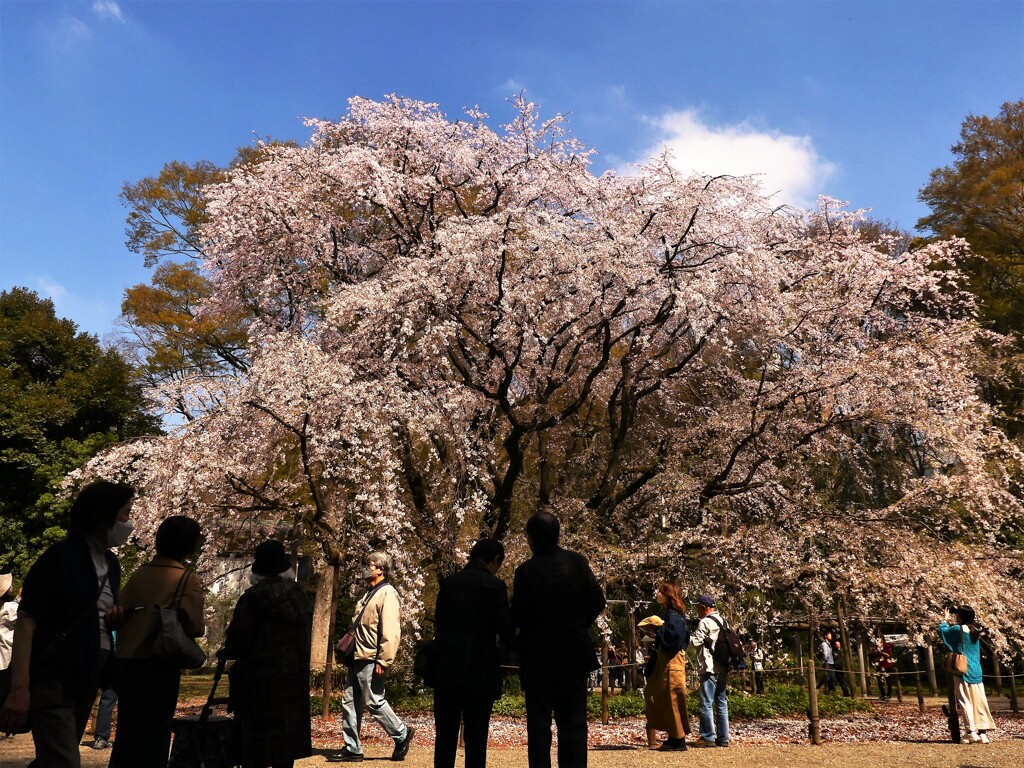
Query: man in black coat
(555, 600)
(472, 613)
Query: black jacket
(472, 614)
(60, 593)
(555, 599)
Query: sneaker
(345, 757)
(673, 745)
(973, 738)
(984, 739)
(721, 743)
(101, 743)
(700, 743)
(402, 747)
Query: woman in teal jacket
(971, 701)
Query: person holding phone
(960, 634)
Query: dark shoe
(345, 757)
(721, 743)
(402, 747)
(700, 744)
(673, 745)
(100, 743)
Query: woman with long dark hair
(62, 633)
(963, 637)
(665, 693)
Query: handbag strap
(366, 604)
(179, 593)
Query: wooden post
(998, 669)
(929, 660)
(899, 687)
(604, 681)
(629, 670)
(863, 662)
(799, 655)
(847, 655)
(1013, 688)
(329, 661)
(812, 709)
(917, 680)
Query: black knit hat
(270, 559)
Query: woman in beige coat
(665, 693)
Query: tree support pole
(929, 660)
(329, 662)
(863, 663)
(998, 669)
(917, 680)
(604, 682)
(1013, 689)
(847, 654)
(814, 730)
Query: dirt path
(16, 753)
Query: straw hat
(6, 582)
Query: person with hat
(377, 632)
(714, 705)
(269, 639)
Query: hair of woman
(97, 505)
(673, 595)
(177, 537)
(965, 615)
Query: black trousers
(565, 699)
(455, 704)
(147, 696)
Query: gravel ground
(892, 737)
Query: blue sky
(857, 100)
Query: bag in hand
(955, 663)
(170, 642)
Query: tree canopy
(453, 327)
(63, 398)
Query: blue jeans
(105, 714)
(714, 729)
(365, 691)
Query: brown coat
(155, 584)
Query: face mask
(118, 533)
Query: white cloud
(789, 166)
(107, 9)
(90, 314)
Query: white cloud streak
(789, 166)
(108, 9)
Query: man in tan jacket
(378, 630)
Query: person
(971, 702)
(471, 615)
(147, 687)
(714, 704)
(378, 630)
(555, 600)
(839, 669)
(757, 662)
(828, 663)
(640, 662)
(882, 656)
(104, 719)
(62, 632)
(614, 667)
(8, 616)
(269, 639)
(665, 692)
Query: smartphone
(129, 612)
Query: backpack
(728, 648)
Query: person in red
(882, 658)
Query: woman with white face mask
(62, 642)
(147, 687)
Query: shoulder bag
(170, 643)
(345, 648)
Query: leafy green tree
(63, 398)
(980, 197)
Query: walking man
(714, 706)
(555, 600)
(378, 631)
(472, 613)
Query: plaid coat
(269, 637)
